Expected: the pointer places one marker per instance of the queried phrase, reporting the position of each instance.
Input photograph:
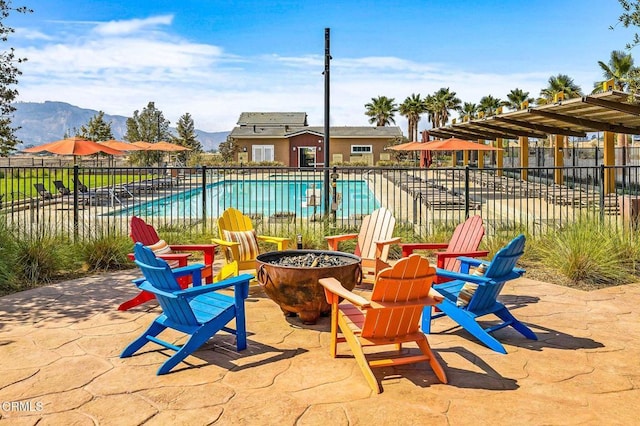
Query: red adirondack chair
(175, 255)
(465, 241)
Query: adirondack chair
(199, 312)
(465, 241)
(174, 254)
(374, 240)
(61, 188)
(239, 240)
(483, 300)
(391, 317)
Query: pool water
(304, 198)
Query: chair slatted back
(141, 232)
(158, 274)
(466, 237)
(378, 226)
(233, 220)
(409, 280)
(500, 269)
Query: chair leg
(433, 362)
(154, 329)
(471, 325)
(143, 296)
(508, 317)
(426, 320)
(358, 354)
(196, 340)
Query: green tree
(381, 110)
(516, 97)
(228, 149)
(468, 109)
(96, 129)
(412, 107)
(620, 68)
(489, 105)
(148, 126)
(9, 73)
(630, 17)
(439, 106)
(556, 84)
(187, 137)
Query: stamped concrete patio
(59, 364)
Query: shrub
(107, 252)
(40, 258)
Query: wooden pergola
(611, 112)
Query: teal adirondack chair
(199, 311)
(484, 300)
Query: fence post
(75, 203)
(466, 191)
(204, 198)
(601, 190)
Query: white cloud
(132, 25)
(116, 68)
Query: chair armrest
(442, 255)
(395, 240)
(229, 282)
(281, 242)
(477, 279)
(333, 287)
(333, 240)
(408, 248)
(224, 242)
(208, 250)
(180, 257)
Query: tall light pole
(327, 59)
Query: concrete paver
(60, 345)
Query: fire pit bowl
(290, 278)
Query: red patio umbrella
(121, 145)
(453, 144)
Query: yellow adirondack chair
(374, 239)
(239, 242)
(391, 317)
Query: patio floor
(60, 346)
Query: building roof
(608, 111)
(273, 119)
(345, 132)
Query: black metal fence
(81, 202)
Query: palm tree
(412, 107)
(620, 68)
(516, 97)
(489, 105)
(468, 109)
(381, 110)
(559, 83)
(439, 104)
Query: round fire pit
(290, 278)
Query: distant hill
(48, 121)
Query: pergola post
(499, 157)
(465, 158)
(481, 156)
(609, 160)
(558, 159)
(524, 156)
(454, 158)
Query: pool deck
(60, 347)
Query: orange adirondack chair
(374, 239)
(391, 317)
(239, 240)
(146, 234)
(465, 241)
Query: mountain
(48, 121)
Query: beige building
(286, 137)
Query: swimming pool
(266, 197)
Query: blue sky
(216, 59)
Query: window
(261, 153)
(361, 149)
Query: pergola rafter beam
(515, 133)
(547, 130)
(587, 123)
(475, 134)
(616, 106)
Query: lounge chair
(61, 188)
(373, 241)
(471, 296)
(200, 311)
(42, 191)
(391, 317)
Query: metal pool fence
(84, 202)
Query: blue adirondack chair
(484, 300)
(198, 311)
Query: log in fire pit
(290, 278)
